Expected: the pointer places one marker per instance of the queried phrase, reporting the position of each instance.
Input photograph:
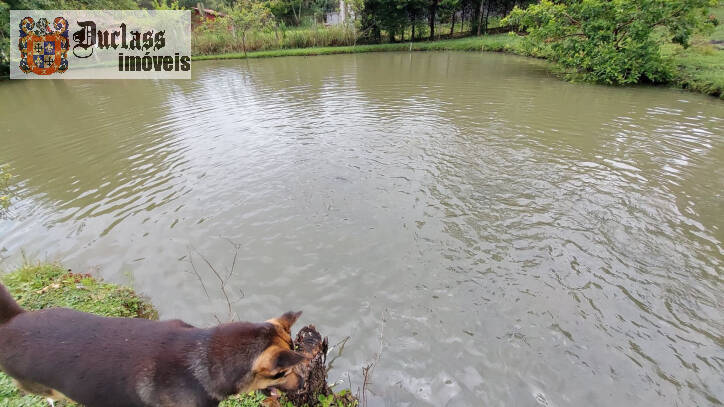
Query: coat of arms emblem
(43, 47)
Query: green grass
(42, 286)
(39, 286)
(497, 43)
(701, 66)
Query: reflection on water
(527, 241)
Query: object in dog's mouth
(310, 343)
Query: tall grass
(215, 39)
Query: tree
(248, 16)
(610, 41)
(388, 15)
(449, 9)
(163, 5)
(416, 10)
(431, 16)
(289, 11)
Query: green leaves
(610, 41)
(246, 15)
(250, 15)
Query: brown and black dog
(107, 362)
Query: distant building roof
(209, 11)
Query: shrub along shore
(40, 286)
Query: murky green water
(526, 241)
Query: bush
(612, 41)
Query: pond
(485, 232)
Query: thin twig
(221, 281)
(369, 369)
(339, 353)
(237, 246)
(193, 266)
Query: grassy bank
(49, 285)
(41, 286)
(701, 66)
(220, 41)
(496, 43)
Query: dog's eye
(279, 375)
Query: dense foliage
(611, 41)
(246, 16)
(421, 18)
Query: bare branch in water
(237, 246)
(222, 281)
(339, 344)
(368, 370)
(193, 266)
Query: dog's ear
(287, 358)
(287, 320)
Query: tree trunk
(487, 16)
(473, 17)
(452, 26)
(294, 11)
(433, 11)
(298, 16)
(462, 19)
(413, 29)
(480, 16)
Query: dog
(99, 361)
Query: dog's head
(276, 366)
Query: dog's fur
(125, 362)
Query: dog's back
(126, 362)
(92, 359)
